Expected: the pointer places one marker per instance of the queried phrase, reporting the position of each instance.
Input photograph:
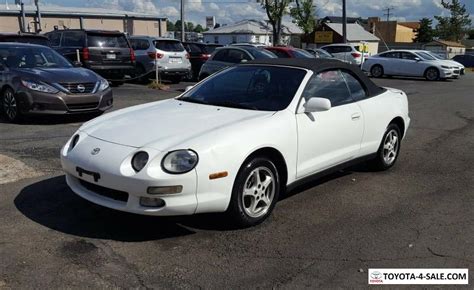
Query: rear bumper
(32, 102)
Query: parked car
(35, 79)
(467, 60)
(456, 65)
(346, 52)
(289, 52)
(237, 141)
(320, 53)
(25, 38)
(199, 53)
(108, 53)
(231, 55)
(413, 63)
(172, 58)
(253, 44)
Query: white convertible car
(237, 140)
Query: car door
(409, 65)
(389, 62)
(331, 137)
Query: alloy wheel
(258, 192)
(10, 105)
(432, 74)
(390, 147)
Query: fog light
(151, 202)
(165, 189)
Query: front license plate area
(81, 172)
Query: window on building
(216, 39)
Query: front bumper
(117, 178)
(33, 102)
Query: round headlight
(139, 160)
(179, 161)
(74, 141)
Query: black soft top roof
(318, 65)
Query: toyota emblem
(95, 151)
(81, 88)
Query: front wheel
(389, 149)
(432, 74)
(255, 192)
(10, 108)
(376, 71)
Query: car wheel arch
(432, 67)
(276, 157)
(400, 123)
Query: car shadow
(54, 119)
(52, 204)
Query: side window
(355, 87)
(139, 44)
(408, 55)
(346, 49)
(221, 55)
(55, 38)
(329, 49)
(74, 39)
(236, 56)
(390, 55)
(330, 85)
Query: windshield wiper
(233, 105)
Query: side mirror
(317, 105)
(77, 64)
(417, 59)
(188, 88)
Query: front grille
(76, 88)
(104, 191)
(83, 106)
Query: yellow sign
(323, 37)
(364, 47)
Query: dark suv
(106, 52)
(199, 53)
(25, 38)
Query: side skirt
(328, 171)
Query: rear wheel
(376, 71)
(389, 148)
(10, 107)
(432, 74)
(255, 192)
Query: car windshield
(32, 57)
(436, 56)
(259, 53)
(425, 55)
(107, 40)
(169, 45)
(299, 53)
(264, 88)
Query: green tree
(304, 16)
(198, 28)
(189, 26)
(470, 33)
(169, 26)
(453, 27)
(177, 25)
(425, 33)
(275, 10)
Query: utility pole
(38, 18)
(388, 12)
(344, 22)
(22, 7)
(182, 21)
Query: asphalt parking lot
(325, 234)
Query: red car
(289, 52)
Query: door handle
(355, 116)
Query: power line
(388, 12)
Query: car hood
(452, 63)
(165, 124)
(59, 75)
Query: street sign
(323, 37)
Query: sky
(230, 11)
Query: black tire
(9, 106)
(176, 79)
(240, 204)
(116, 83)
(381, 162)
(376, 71)
(432, 74)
